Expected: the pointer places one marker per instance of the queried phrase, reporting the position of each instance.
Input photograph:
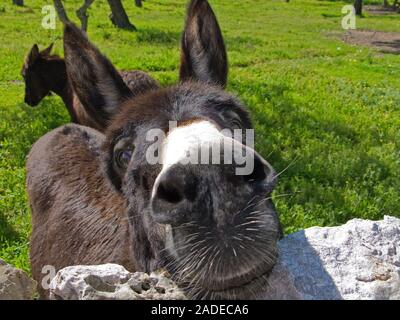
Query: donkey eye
(123, 151)
(122, 158)
(231, 119)
(236, 124)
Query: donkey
(98, 198)
(44, 73)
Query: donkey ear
(94, 79)
(203, 55)
(47, 51)
(33, 55)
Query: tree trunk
(18, 2)
(358, 6)
(61, 11)
(385, 3)
(396, 4)
(118, 15)
(81, 13)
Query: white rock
(15, 284)
(111, 282)
(359, 260)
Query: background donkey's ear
(47, 51)
(94, 79)
(204, 55)
(32, 55)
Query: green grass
(328, 110)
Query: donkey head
(198, 195)
(38, 71)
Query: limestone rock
(359, 260)
(112, 282)
(15, 284)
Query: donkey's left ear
(94, 79)
(47, 51)
(203, 55)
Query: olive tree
(358, 5)
(117, 16)
(18, 2)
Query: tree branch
(62, 14)
(81, 13)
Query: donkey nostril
(169, 192)
(259, 172)
(168, 203)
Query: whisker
(290, 165)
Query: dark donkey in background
(97, 199)
(44, 73)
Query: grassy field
(328, 110)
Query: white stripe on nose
(190, 144)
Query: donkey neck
(61, 86)
(57, 75)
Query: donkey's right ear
(94, 79)
(203, 55)
(32, 55)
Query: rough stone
(357, 261)
(15, 284)
(112, 282)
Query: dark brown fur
(71, 197)
(44, 73)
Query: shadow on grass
(172, 38)
(242, 43)
(7, 232)
(26, 125)
(388, 46)
(308, 149)
(289, 118)
(157, 36)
